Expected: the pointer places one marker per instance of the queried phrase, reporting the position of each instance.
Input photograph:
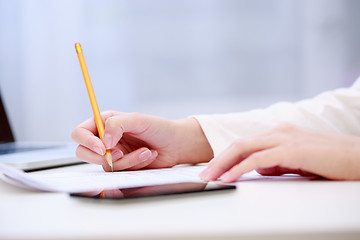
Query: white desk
(256, 210)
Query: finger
(145, 163)
(243, 147)
(141, 155)
(237, 151)
(116, 154)
(113, 193)
(274, 171)
(264, 159)
(277, 171)
(116, 126)
(86, 155)
(87, 139)
(85, 134)
(90, 124)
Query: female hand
(138, 141)
(289, 149)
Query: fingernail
(99, 150)
(107, 140)
(145, 155)
(116, 154)
(154, 154)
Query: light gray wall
(169, 58)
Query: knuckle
(138, 118)
(108, 112)
(134, 114)
(111, 122)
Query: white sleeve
(335, 111)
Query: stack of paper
(89, 177)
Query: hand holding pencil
(94, 105)
(136, 140)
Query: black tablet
(154, 190)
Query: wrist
(193, 144)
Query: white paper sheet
(91, 177)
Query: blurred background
(169, 58)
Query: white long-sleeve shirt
(334, 111)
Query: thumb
(116, 126)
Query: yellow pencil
(94, 105)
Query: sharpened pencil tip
(108, 158)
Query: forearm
(335, 111)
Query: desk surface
(256, 210)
